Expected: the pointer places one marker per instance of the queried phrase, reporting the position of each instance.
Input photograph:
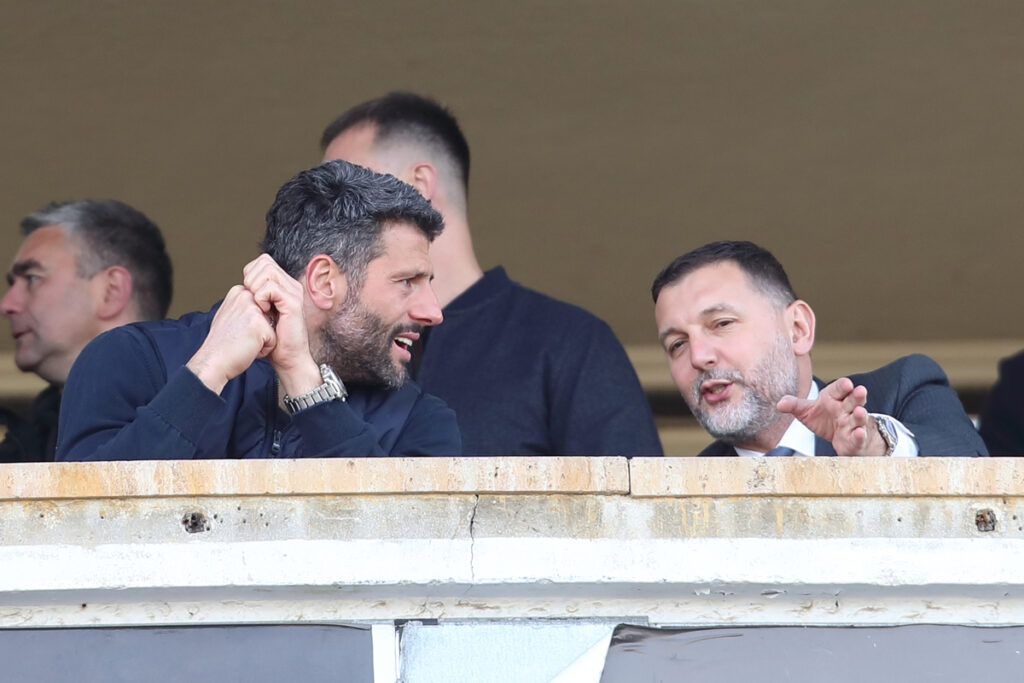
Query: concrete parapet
(363, 476)
(835, 477)
(659, 541)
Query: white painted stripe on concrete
(253, 563)
(515, 561)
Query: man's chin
(26, 362)
(722, 425)
(393, 377)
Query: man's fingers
(792, 404)
(855, 399)
(265, 295)
(858, 439)
(274, 291)
(264, 269)
(261, 262)
(859, 417)
(839, 389)
(269, 343)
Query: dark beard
(357, 345)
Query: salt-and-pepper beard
(773, 377)
(356, 343)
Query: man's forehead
(404, 240)
(355, 145)
(722, 278)
(712, 288)
(46, 244)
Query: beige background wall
(876, 147)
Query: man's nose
(12, 302)
(426, 310)
(703, 354)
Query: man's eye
(724, 323)
(676, 345)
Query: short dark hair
(763, 269)
(341, 210)
(111, 233)
(406, 114)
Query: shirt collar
(797, 435)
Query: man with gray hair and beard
(738, 343)
(305, 358)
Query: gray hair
(111, 233)
(341, 210)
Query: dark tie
(779, 452)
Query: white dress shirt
(801, 439)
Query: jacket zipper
(276, 433)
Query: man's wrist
(301, 379)
(330, 389)
(212, 379)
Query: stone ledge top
(638, 477)
(836, 477)
(170, 478)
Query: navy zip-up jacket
(129, 396)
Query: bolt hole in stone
(195, 522)
(985, 520)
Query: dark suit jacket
(32, 438)
(1002, 418)
(915, 391)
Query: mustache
(733, 376)
(411, 327)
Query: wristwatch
(888, 432)
(332, 389)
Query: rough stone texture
(310, 477)
(703, 542)
(899, 477)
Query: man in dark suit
(1002, 417)
(738, 343)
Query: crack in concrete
(472, 538)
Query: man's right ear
(325, 284)
(423, 176)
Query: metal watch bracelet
(332, 389)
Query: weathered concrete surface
(722, 541)
(898, 477)
(314, 476)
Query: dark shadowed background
(875, 147)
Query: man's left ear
(113, 292)
(423, 177)
(324, 282)
(800, 320)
